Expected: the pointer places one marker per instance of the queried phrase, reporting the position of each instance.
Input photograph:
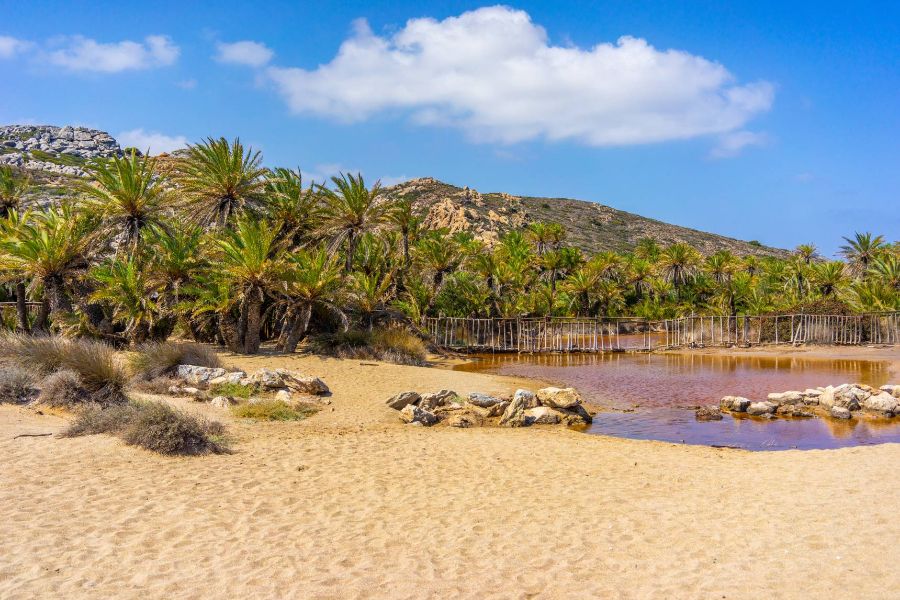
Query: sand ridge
(352, 504)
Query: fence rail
(564, 334)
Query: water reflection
(658, 389)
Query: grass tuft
(154, 426)
(235, 390)
(272, 410)
(160, 359)
(16, 385)
(63, 389)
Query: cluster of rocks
(838, 402)
(287, 386)
(549, 406)
(20, 141)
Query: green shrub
(160, 359)
(16, 384)
(272, 410)
(392, 344)
(235, 390)
(154, 426)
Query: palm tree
(249, 262)
(370, 295)
(350, 210)
(12, 187)
(289, 203)
(720, 266)
(581, 285)
(129, 196)
(862, 250)
(886, 269)
(310, 278)
(437, 254)
(125, 285)
(221, 181)
(678, 263)
(806, 252)
(647, 249)
(402, 217)
(52, 249)
(827, 277)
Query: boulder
(786, 398)
(494, 410)
(301, 383)
(792, 410)
(413, 414)
(708, 413)
(577, 415)
(514, 415)
(893, 390)
(527, 397)
(555, 397)
(437, 399)
(882, 403)
(839, 412)
(464, 421)
(232, 377)
(734, 403)
(542, 415)
(197, 375)
(222, 401)
(761, 408)
(402, 400)
(483, 400)
(826, 400)
(283, 396)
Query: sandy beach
(352, 504)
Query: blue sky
(775, 121)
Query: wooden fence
(8, 315)
(564, 334)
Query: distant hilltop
(62, 150)
(56, 154)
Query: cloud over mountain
(493, 73)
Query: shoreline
(351, 503)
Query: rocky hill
(590, 226)
(55, 156)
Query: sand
(352, 504)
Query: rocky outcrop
(550, 406)
(844, 401)
(197, 375)
(60, 150)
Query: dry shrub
(154, 426)
(160, 359)
(159, 385)
(42, 354)
(100, 369)
(16, 384)
(63, 389)
(393, 344)
(273, 410)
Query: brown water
(652, 394)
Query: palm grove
(218, 248)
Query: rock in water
(734, 403)
(555, 397)
(402, 400)
(708, 413)
(413, 414)
(761, 408)
(883, 403)
(514, 415)
(839, 412)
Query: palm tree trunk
(253, 322)
(229, 329)
(40, 321)
(351, 250)
(21, 308)
(55, 291)
(298, 329)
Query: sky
(770, 121)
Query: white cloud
(79, 53)
(731, 144)
(10, 46)
(389, 180)
(493, 73)
(247, 53)
(155, 142)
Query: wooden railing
(564, 334)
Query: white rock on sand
(555, 397)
